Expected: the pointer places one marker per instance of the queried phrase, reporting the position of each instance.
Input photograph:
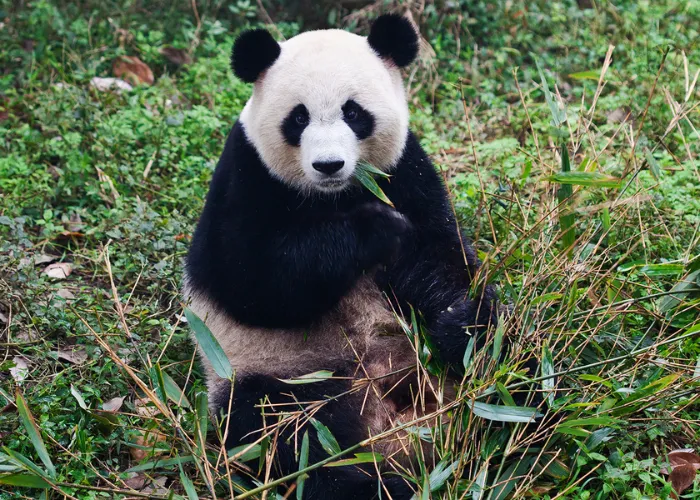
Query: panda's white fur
(323, 69)
(361, 324)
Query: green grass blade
(209, 345)
(32, 429)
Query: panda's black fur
(276, 262)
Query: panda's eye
(301, 118)
(351, 115)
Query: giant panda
(297, 268)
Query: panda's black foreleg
(432, 276)
(340, 415)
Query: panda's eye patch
(358, 119)
(294, 124)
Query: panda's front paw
(382, 229)
(452, 329)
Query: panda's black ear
(393, 36)
(253, 52)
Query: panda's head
(325, 100)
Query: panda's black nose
(328, 167)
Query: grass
(569, 140)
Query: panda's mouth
(332, 184)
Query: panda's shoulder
(415, 174)
(240, 176)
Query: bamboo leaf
(548, 384)
(34, 434)
(665, 269)
(564, 194)
(78, 397)
(363, 173)
(209, 345)
(309, 378)
(187, 484)
(24, 480)
(441, 474)
(504, 413)
(679, 291)
(156, 375)
(326, 438)
(558, 114)
(303, 461)
(161, 464)
(498, 339)
(510, 478)
(593, 74)
(594, 179)
(26, 464)
(245, 452)
(202, 421)
(467, 360)
(360, 458)
(174, 392)
(593, 421)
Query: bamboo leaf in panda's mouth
(364, 173)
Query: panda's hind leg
(340, 413)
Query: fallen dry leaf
(145, 408)
(105, 84)
(136, 481)
(682, 477)
(146, 445)
(59, 270)
(75, 223)
(133, 70)
(3, 318)
(157, 486)
(76, 356)
(35, 260)
(684, 464)
(65, 294)
(177, 56)
(20, 371)
(113, 404)
(683, 457)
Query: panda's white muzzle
(329, 153)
